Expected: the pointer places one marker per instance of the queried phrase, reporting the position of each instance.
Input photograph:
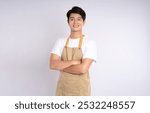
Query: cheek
(70, 23)
(81, 24)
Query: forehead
(75, 15)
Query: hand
(76, 62)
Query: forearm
(60, 65)
(80, 68)
(57, 64)
(76, 69)
(72, 66)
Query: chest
(71, 54)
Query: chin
(76, 30)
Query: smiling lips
(75, 26)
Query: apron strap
(80, 42)
(67, 42)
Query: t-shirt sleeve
(90, 51)
(57, 48)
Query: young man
(73, 57)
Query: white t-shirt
(88, 47)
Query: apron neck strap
(80, 42)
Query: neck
(75, 34)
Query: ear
(84, 22)
(68, 21)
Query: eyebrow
(74, 17)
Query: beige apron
(73, 84)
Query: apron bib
(73, 84)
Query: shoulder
(89, 49)
(89, 42)
(60, 41)
(58, 46)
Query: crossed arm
(72, 66)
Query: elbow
(84, 70)
(52, 65)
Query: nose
(75, 21)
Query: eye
(79, 19)
(71, 19)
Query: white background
(29, 28)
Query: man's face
(75, 22)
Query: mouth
(75, 26)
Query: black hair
(77, 10)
